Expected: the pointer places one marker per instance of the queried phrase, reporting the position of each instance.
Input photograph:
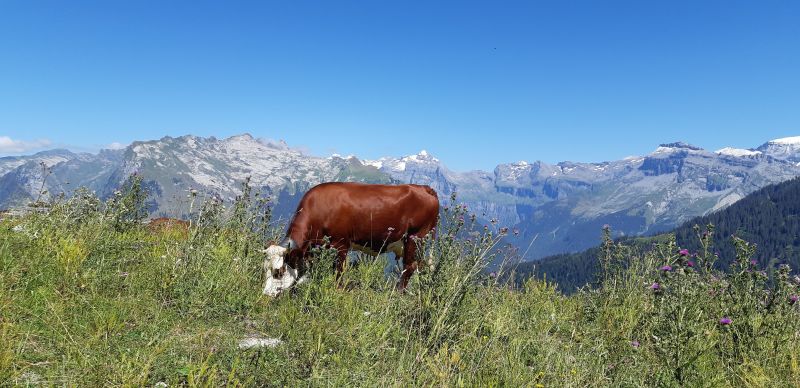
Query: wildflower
(123, 275)
(725, 321)
(666, 268)
(690, 264)
(753, 262)
(461, 219)
(503, 230)
(793, 299)
(493, 275)
(684, 252)
(655, 287)
(493, 221)
(635, 343)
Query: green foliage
(89, 297)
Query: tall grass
(89, 296)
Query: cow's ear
(288, 243)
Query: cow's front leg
(341, 259)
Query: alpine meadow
(91, 296)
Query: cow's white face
(280, 275)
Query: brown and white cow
(370, 218)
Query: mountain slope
(769, 217)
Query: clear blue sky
(474, 83)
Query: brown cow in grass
(370, 218)
(163, 224)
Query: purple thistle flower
(666, 268)
(635, 343)
(690, 264)
(655, 287)
(793, 299)
(684, 252)
(725, 321)
(753, 262)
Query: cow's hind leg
(409, 262)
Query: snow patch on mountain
(737, 152)
(793, 140)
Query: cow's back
(366, 214)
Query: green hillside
(91, 297)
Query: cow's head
(279, 274)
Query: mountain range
(555, 208)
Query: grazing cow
(370, 218)
(163, 224)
